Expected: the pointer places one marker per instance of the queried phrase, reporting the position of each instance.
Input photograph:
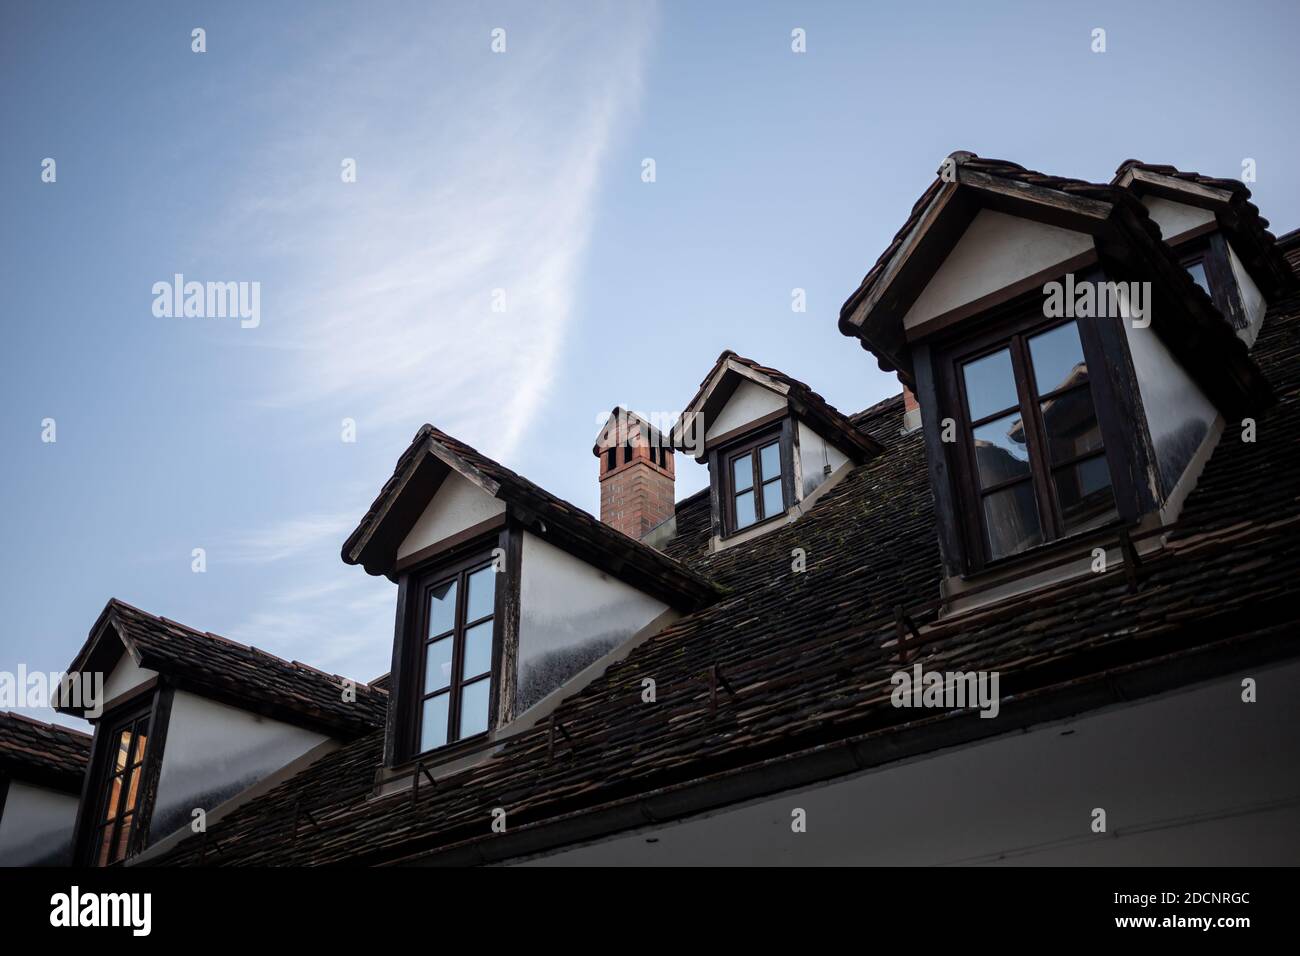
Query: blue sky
(479, 171)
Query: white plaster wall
(1175, 218)
(748, 403)
(1179, 416)
(994, 251)
(212, 752)
(459, 504)
(814, 453)
(126, 675)
(36, 829)
(570, 614)
(1252, 300)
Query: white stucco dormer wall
(214, 751)
(459, 504)
(995, 250)
(748, 403)
(818, 460)
(127, 675)
(1175, 218)
(570, 614)
(36, 827)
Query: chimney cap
(622, 421)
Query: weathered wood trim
(397, 695)
(155, 747)
(952, 552)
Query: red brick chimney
(637, 481)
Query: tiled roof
(805, 657)
(234, 671)
(42, 753)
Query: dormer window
(506, 593)
(756, 492)
(1071, 380)
(456, 628)
(772, 445)
(118, 790)
(1034, 462)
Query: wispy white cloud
(291, 538)
(476, 172)
(486, 181)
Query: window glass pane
(1071, 424)
(132, 790)
(478, 651)
(742, 473)
(433, 722)
(123, 750)
(1084, 493)
(1197, 271)
(437, 665)
(773, 501)
(769, 461)
(114, 795)
(103, 855)
(482, 594)
(1000, 450)
(442, 608)
(1011, 520)
(1058, 358)
(745, 515)
(474, 708)
(137, 758)
(123, 835)
(990, 384)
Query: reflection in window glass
(773, 499)
(442, 608)
(1011, 520)
(474, 708)
(1197, 271)
(1070, 424)
(1084, 493)
(770, 461)
(1058, 358)
(433, 722)
(1000, 451)
(478, 650)
(482, 594)
(437, 665)
(742, 473)
(745, 513)
(990, 385)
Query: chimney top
(637, 480)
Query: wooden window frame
(151, 703)
(459, 563)
(1212, 252)
(753, 444)
(1011, 329)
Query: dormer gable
(770, 442)
(1071, 374)
(1218, 234)
(186, 719)
(505, 592)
